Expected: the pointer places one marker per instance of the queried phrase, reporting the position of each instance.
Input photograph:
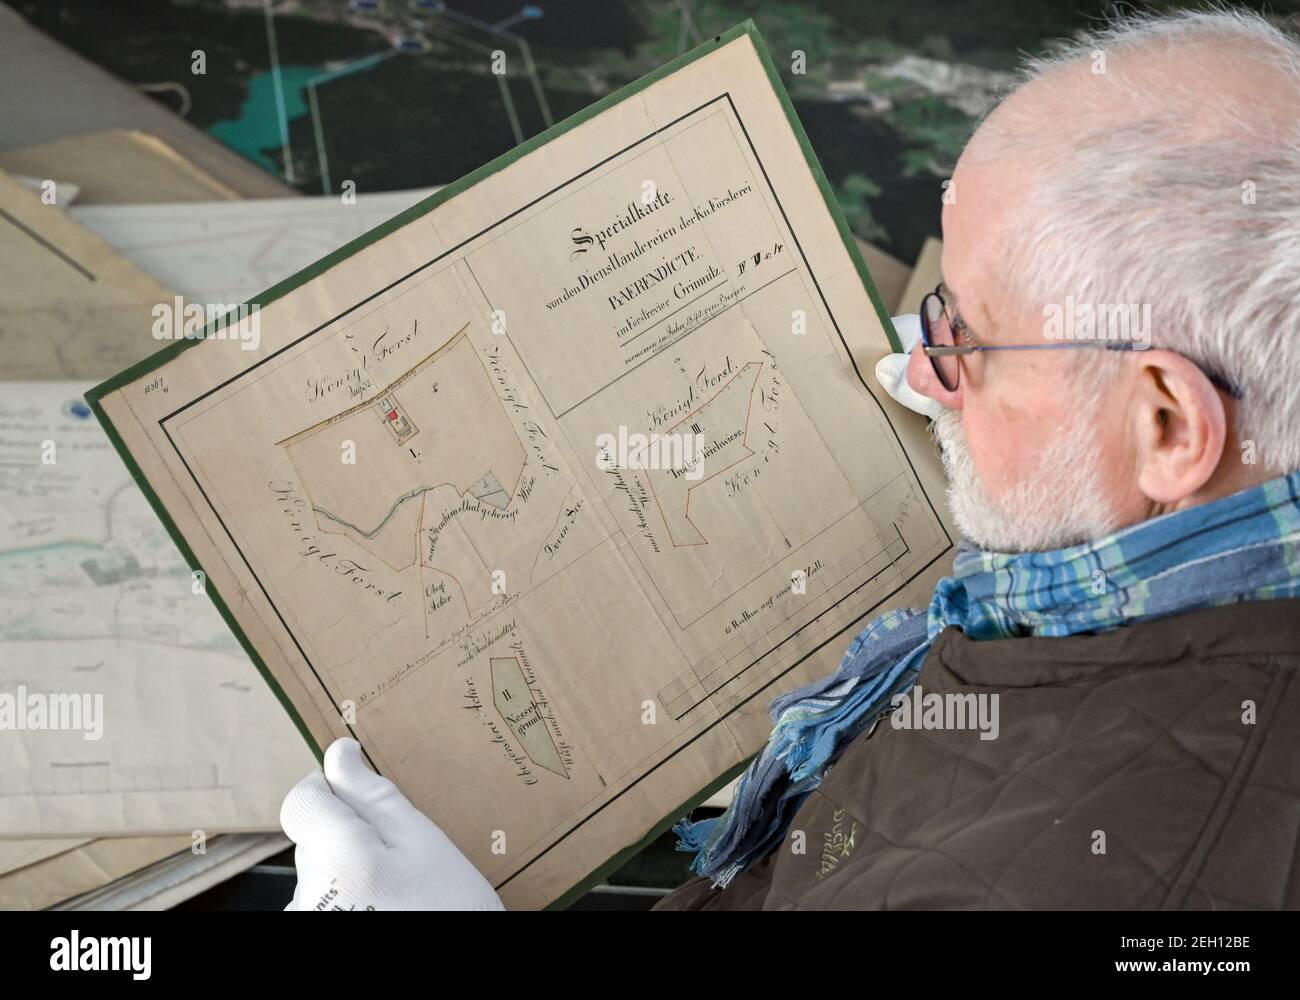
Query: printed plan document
(94, 594)
(543, 490)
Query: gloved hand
(891, 370)
(363, 846)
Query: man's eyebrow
(952, 292)
(950, 295)
(954, 302)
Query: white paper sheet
(96, 600)
(231, 251)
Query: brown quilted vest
(1155, 766)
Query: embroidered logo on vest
(837, 844)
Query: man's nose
(922, 378)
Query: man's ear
(1181, 427)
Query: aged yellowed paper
(408, 478)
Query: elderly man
(1126, 595)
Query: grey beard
(1057, 503)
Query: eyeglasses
(939, 345)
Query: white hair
(1160, 186)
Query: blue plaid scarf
(1245, 547)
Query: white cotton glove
(891, 370)
(363, 846)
